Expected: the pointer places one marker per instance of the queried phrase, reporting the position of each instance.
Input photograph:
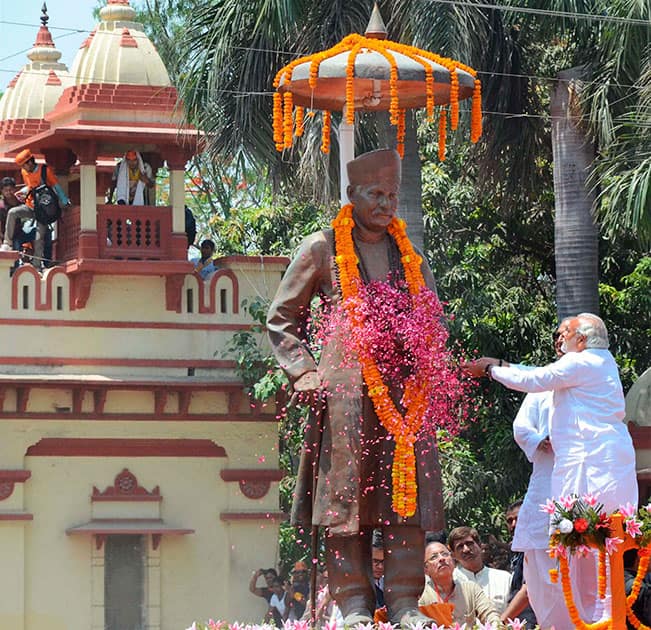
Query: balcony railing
(123, 233)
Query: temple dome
(118, 51)
(37, 87)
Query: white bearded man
(593, 451)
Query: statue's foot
(358, 616)
(412, 619)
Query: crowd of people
(570, 427)
(463, 584)
(27, 228)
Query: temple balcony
(123, 233)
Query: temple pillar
(155, 161)
(87, 155)
(176, 164)
(176, 161)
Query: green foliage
(626, 308)
(488, 210)
(494, 266)
(273, 228)
(257, 368)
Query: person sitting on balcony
(8, 200)
(132, 179)
(32, 175)
(204, 266)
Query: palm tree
(576, 236)
(599, 99)
(624, 169)
(234, 49)
(623, 166)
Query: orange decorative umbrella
(370, 73)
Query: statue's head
(373, 189)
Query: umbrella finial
(376, 28)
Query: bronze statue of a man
(345, 475)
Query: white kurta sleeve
(530, 426)
(564, 373)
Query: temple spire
(45, 18)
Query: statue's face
(375, 204)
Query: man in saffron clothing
(447, 599)
(345, 475)
(593, 450)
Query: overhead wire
(466, 3)
(547, 12)
(532, 77)
(486, 5)
(575, 15)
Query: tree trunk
(410, 197)
(576, 236)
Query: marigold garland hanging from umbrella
(371, 73)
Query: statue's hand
(307, 388)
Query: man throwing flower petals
(592, 447)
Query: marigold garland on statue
(403, 428)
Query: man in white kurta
(465, 545)
(592, 447)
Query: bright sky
(70, 22)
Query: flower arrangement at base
(578, 523)
(637, 523)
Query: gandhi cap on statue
(375, 166)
